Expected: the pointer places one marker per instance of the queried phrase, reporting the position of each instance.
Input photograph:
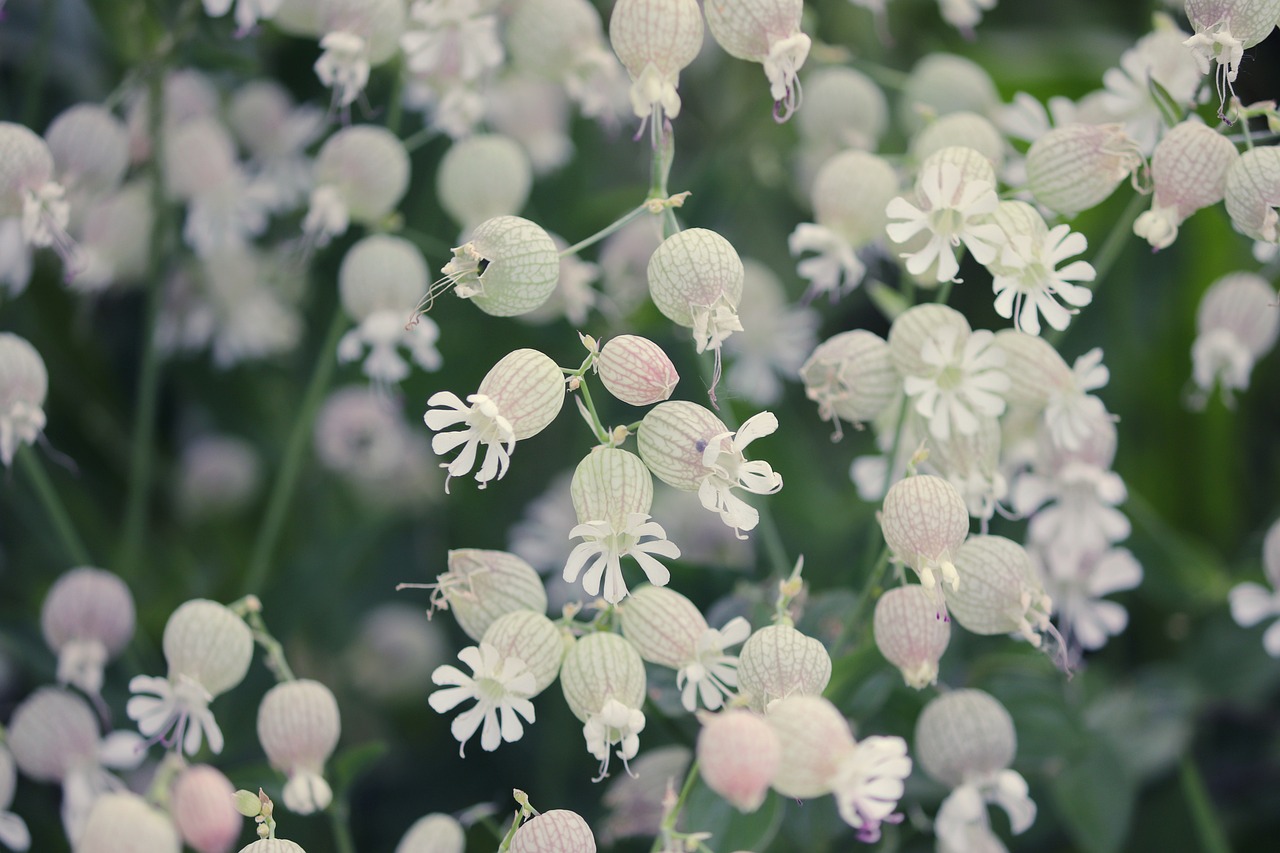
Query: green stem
(419, 138)
(597, 426)
(287, 481)
(71, 541)
(342, 840)
(38, 69)
(672, 816)
(604, 232)
(1213, 839)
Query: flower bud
(1000, 593)
(850, 377)
(768, 32)
(695, 279)
(482, 177)
(610, 484)
(90, 148)
(202, 804)
(916, 325)
(655, 40)
(52, 733)
(738, 754)
(434, 833)
(528, 389)
(943, 83)
(600, 667)
(963, 129)
(534, 639)
(850, 193)
(672, 440)
(1252, 194)
(87, 619)
(778, 661)
(298, 727)
(962, 735)
(509, 266)
(272, 845)
(663, 625)
(846, 110)
(912, 632)
(636, 370)
(1189, 171)
(365, 170)
(122, 822)
(205, 641)
(24, 382)
(1236, 324)
(924, 521)
(555, 831)
(1076, 167)
(814, 739)
(482, 585)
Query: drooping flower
(87, 619)
(24, 382)
(1251, 603)
(869, 782)
(655, 40)
(1078, 585)
(1224, 31)
(13, 829)
(912, 632)
(501, 688)
(1236, 324)
(925, 521)
(603, 680)
(298, 727)
(768, 33)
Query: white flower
(483, 423)
(966, 380)
(730, 469)
(603, 547)
(835, 268)
(1033, 280)
(177, 715)
(1078, 584)
(344, 66)
(1161, 57)
(1083, 515)
(455, 41)
(964, 15)
(497, 684)
(952, 214)
(962, 824)
(248, 12)
(1251, 603)
(869, 783)
(615, 723)
(712, 674)
(1071, 414)
(382, 332)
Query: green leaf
(706, 811)
(1095, 798)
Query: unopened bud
(912, 632)
(962, 735)
(924, 521)
(204, 807)
(483, 176)
(1076, 167)
(434, 833)
(738, 754)
(778, 661)
(298, 727)
(554, 831)
(636, 370)
(1253, 193)
(1188, 171)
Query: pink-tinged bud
(912, 632)
(482, 585)
(1075, 167)
(203, 807)
(508, 266)
(916, 325)
(663, 625)
(850, 377)
(695, 279)
(298, 727)
(272, 845)
(768, 32)
(205, 641)
(24, 383)
(814, 738)
(924, 521)
(1253, 193)
(655, 40)
(482, 177)
(738, 753)
(87, 620)
(1189, 171)
(943, 83)
(528, 388)
(1000, 593)
(1236, 324)
(850, 194)
(636, 370)
(600, 667)
(963, 735)
(611, 484)
(533, 639)
(963, 129)
(366, 168)
(555, 831)
(122, 822)
(52, 733)
(434, 833)
(672, 440)
(778, 661)
(90, 148)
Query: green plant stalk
(605, 232)
(38, 68)
(338, 814)
(287, 481)
(669, 821)
(597, 427)
(53, 505)
(1213, 839)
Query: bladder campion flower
(554, 831)
(298, 727)
(88, 619)
(603, 680)
(912, 632)
(768, 32)
(925, 521)
(500, 685)
(655, 40)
